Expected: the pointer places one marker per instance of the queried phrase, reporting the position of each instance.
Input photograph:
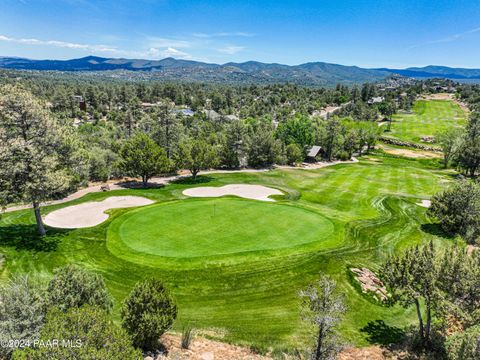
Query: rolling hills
(251, 72)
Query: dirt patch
(204, 349)
(416, 154)
(370, 283)
(91, 213)
(254, 192)
(368, 353)
(328, 110)
(471, 249)
(440, 96)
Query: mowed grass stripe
(252, 296)
(429, 117)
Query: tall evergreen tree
(30, 140)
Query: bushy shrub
(148, 312)
(458, 210)
(84, 333)
(464, 345)
(294, 154)
(343, 155)
(22, 312)
(73, 286)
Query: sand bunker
(425, 203)
(91, 213)
(255, 192)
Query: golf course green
(236, 266)
(211, 227)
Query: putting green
(209, 227)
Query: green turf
(361, 212)
(213, 227)
(429, 117)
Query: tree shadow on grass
(382, 334)
(201, 179)
(435, 229)
(25, 237)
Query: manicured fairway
(202, 228)
(247, 292)
(428, 118)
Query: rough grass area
(428, 118)
(246, 287)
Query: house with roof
(313, 153)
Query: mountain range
(309, 74)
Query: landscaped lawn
(236, 265)
(429, 117)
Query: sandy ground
(205, 349)
(425, 203)
(255, 192)
(328, 110)
(416, 154)
(91, 213)
(439, 96)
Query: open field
(428, 118)
(239, 270)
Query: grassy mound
(212, 227)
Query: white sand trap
(91, 213)
(425, 203)
(255, 192)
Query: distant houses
(376, 100)
(215, 116)
(185, 112)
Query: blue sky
(363, 32)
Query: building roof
(188, 112)
(314, 150)
(375, 100)
(212, 114)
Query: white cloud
(230, 50)
(163, 48)
(447, 39)
(60, 44)
(168, 52)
